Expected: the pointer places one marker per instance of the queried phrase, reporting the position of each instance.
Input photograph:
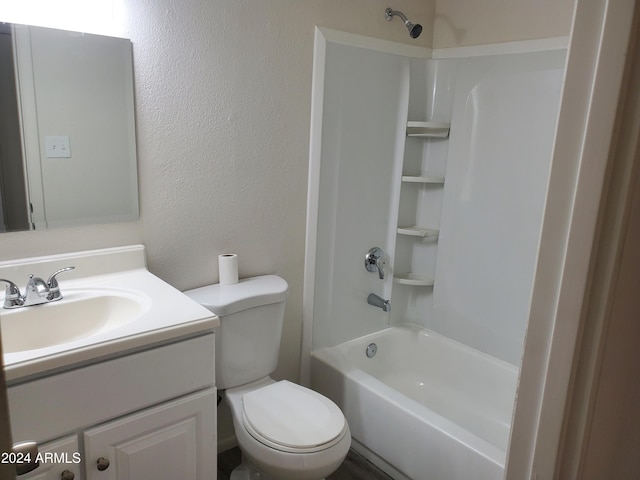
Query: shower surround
(442, 163)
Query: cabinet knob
(67, 475)
(103, 463)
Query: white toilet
(285, 431)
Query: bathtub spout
(376, 301)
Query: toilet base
(246, 471)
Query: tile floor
(354, 467)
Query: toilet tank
(251, 313)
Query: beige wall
(612, 441)
(465, 22)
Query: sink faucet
(36, 292)
(379, 302)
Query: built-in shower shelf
(416, 231)
(411, 278)
(422, 179)
(428, 129)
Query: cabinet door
(57, 457)
(174, 440)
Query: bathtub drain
(372, 349)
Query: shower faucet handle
(374, 261)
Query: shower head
(414, 29)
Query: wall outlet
(57, 146)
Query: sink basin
(80, 314)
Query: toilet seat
(292, 418)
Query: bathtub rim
(415, 329)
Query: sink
(112, 305)
(78, 315)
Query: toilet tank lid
(247, 293)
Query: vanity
(116, 379)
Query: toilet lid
(292, 416)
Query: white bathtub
(429, 407)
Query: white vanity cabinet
(147, 415)
(172, 440)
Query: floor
(354, 467)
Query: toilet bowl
(285, 431)
(288, 432)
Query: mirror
(67, 129)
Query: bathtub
(426, 406)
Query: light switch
(57, 146)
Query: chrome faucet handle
(374, 261)
(12, 297)
(35, 292)
(53, 287)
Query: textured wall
(223, 108)
(465, 22)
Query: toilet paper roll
(228, 268)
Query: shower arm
(389, 14)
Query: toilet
(284, 431)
